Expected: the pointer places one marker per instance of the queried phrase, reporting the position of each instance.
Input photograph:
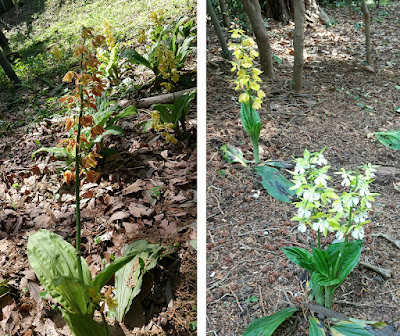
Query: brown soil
(122, 207)
(245, 233)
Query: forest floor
(147, 190)
(340, 108)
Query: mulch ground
(341, 106)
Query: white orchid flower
(364, 190)
(321, 160)
(322, 179)
(303, 213)
(302, 227)
(358, 232)
(360, 217)
(311, 196)
(301, 166)
(321, 225)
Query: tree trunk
(8, 69)
(367, 23)
(4, 43)
(253, 11)
(283, 11)
(298, 43)
(222, 41)
(224, 13)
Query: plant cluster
(248, 79)
(170, 46)
(325, 210)
(108, 55)
(170, 119)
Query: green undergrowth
(59, 23)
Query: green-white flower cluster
(322, 208)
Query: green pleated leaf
(59, 152)
(83, 325)
(300, 257)
(349, 259)
(250, 118)
(316, 327)
(275, 183)
(54, 262)
(233, 154)
(266, 326)
(131, 110)
(321, 260)
(320, 279)
(389, 139)
(128, 280)
(345, 328)
(105, 275)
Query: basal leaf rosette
(323, 209)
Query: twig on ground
(236, 298)
(382, 271)
(262, 300)
(370, 304)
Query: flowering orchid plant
(323, 210)
(248, 79)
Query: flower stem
(77, 184)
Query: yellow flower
(256, 78)
(253, 53)
(248, 42)
(244, 97)
(260, 94)
(238, 54)
(236, 33)
(254, 86)
(257, 103)
(247, 62)
(256, 71)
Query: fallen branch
(161, 99)
(382, 271)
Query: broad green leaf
(275, 183)
(277, 59)
(321, 261)
(111, 130)
(123, 114)
(345, 328)
(397, 109)
(300, 257)
(321, 280)
(266, 326)
(389, 139)
(104, 275)
(316, 327)
(128, 280)
(136, 58)
(57, 151)
(83, 325)
(250, 119)
(54, 262)
(349, 258)
(233, 154)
